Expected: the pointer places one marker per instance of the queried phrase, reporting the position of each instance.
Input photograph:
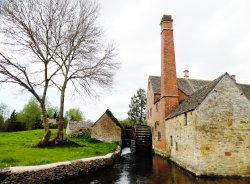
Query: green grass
(18, 149)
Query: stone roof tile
(194, 99)
(109, 114)
(188, 86)
(195, 89)
(246, 89)
(155, 83)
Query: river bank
(57, 172)
(149, 168)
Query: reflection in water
(148, 169)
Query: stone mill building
(203, 126)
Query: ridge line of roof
(180, 109)
(109, 114)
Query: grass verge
(17, 149)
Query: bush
(37, 125)
(11, 126)
(2, 124)
(53, 126)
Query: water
(125, 151)
(145, 168)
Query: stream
(143, 168)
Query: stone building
(201, 125)
(78, 128)
(107, 128)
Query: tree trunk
(45, 123)
(61, 118)
(47, 132)
(45, 118)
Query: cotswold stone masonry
(203, 126)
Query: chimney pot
(166, 18)
(186, 74)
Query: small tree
(31, 115)
(74, 114)
(137, 107)
(125, 123)
(13, 125)
(53, 112)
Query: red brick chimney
(169, 88)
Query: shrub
(11, 126)
(2, 124)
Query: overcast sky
(211, 37)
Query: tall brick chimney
(169, 88)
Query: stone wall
(223, 127)
(57, 172)
(153, 114)
(181, 136)
(213, 139)
(78, 128)
(106, 130)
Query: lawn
(17, 149)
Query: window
(186, 119)
(149, 86)
(156, 123)
(156, 107)
(150, 112)
(171, 141)
(159, 136)
(176, 146)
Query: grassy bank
(17, 149)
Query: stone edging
(57, 172)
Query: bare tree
(84, 59)
(35, 28)
(64, 39)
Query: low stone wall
(57, 172)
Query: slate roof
(196, 90)
(188, 86)
(246, 89)
(195, 99)
(109, 113)
(155, 83)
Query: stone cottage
(107, 128)
(201, 125)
